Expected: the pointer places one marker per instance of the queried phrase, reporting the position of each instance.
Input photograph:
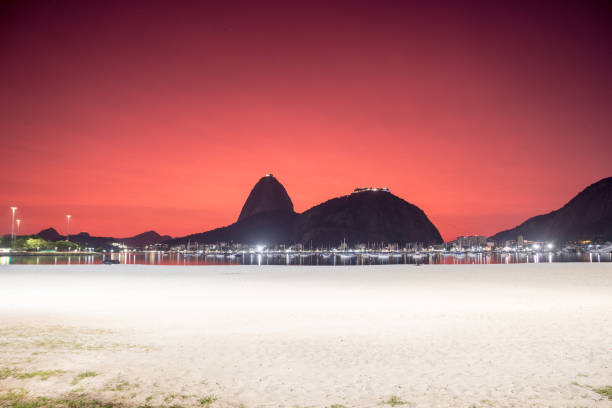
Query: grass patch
(6, 373)
(209, 399)
(43, 374)
(83, 375)
(58, 338)
(20, 399)
(25, 375)
(395, 400)
(337, 406)
(119, 384)
(604, 391)
(170, 397)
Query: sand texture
(278, 336)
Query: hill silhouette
(587, 216)
(268, 218)
(87, 240)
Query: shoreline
(48, 253)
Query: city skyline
(140, 116)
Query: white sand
(435, 336)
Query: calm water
(159, 258)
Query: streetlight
(68, 227)
(18, 224)
(13, 226)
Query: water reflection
(174, 258)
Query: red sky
(141, 115)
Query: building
(362, 189)
(470, 242)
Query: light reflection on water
(161, 258)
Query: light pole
(68, 227)
(18, 224)
(13, 227)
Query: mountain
(85, 239)
(144, 239)
(366, 216)
(588, 216)
(50, 234)
(265, 228)
(267, 218)
(268, 195)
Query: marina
(308, 258)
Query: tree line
(36, 243)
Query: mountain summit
(586, 216)
(267, 196)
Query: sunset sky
(134, 116)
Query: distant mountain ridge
(587, 216)
(367, 215)
(85, 239)
(50, 234)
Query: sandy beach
(277, 336)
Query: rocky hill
(587, 216)
(268, 195)
(367, 215)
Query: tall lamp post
(13, 227)
(68, 227)
(18, 224)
